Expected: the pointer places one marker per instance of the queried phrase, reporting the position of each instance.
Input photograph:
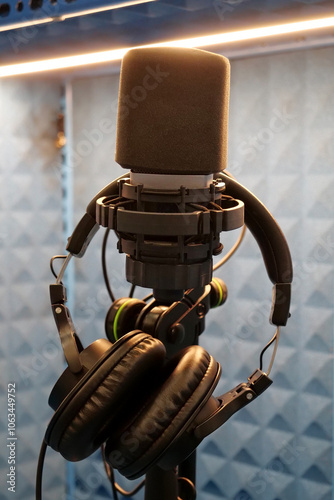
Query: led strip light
(202, 41)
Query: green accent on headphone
(116, 318)
(220, 300)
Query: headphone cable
(39, 472)
(52, 261)
(274, 339)
(277, 335)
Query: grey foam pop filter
(173, 111)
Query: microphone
(168, 211)
(172, 136)
(173, 111)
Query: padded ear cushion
(188, 381)
(82, 421)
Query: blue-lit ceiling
(139, 24)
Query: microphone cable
(131, 293)
(105, 271)
(232, 250)
(237, 243)
(104, 265)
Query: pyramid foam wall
(30, 233)
(281, 148)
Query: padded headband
(266, 231)
(259, 221)
(273, 246)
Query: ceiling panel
(140, 24)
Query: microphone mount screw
(176, 334)
(201, 310)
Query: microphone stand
(170, 485)
(176, 226)
(161, 484)
(178, 326)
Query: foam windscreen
(173, 111)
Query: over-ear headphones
(150, 403)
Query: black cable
(145, 299)
(109, 472)
(130, 493)
(265, 348)
(104, 265)
(51, 263)
(111, 477)
(148, 297)
(39, 471)
(116, 487)
(189, 483)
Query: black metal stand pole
(188, 470)
(168, 485)
(164, 485)
(161, 484)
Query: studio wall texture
(30, 233)
(281, 147)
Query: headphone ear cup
(218, 293)
(122, 317)
(187, 382)
(83, 419)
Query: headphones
(148, 406)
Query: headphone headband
(273, 246)
(259, 221)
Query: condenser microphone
(173, 111)
(168, 211)
(172, 137)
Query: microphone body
(173, 111)
(172, 136)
